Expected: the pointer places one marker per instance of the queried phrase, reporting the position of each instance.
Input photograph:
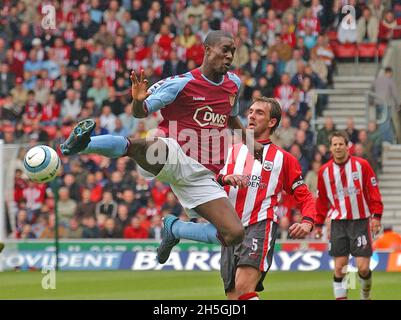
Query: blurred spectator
(155, 231)
(377, 8)
(33, 109)
(122, 220)
(318, 66)
(159, 193)
(284, 92)
(376, 138)
(134, 230)
(7, 80)
(74, 230)
(172, 205)
(114, 102)
(131, 26)
(66, 206)
(51, 111)
(22, 220)
(19, 93)
(241, 56)
(130, 200)
(70, 107)
(323, 133)
(386, 89)
(119, 130)
(34, 195)
(311, 177)
(388, 27)
(87, 28)
(73, 187)
(107, 206)
(27, 232)
(352, 131)
(142, 190)
(367, 148)
(285, 134)
(324, 52)
(49, 231)
(39, 227)
(110, 230)
(389, 240)
(85, 207)
(291, 67)
(90, 229)
(107, 118)
(79, 54)
(98, 92)
(254, 66)
(367, 27)
(173, 66)
(296, 151)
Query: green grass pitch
(180, 285)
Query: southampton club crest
(267, 165)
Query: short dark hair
(275, 109)
(339, 134)
(215, 36)
(388, 69)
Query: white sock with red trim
(249, 296)
(340, 288)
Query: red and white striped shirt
(347, 191)
(279, 171)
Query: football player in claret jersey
(349, 195)
(244, 266)
(193, 105)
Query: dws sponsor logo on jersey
(206, 117)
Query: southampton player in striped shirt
(244, 266)
(349, 195)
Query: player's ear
(207, 49)
(272, 122)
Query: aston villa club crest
(267, 165)
(232, 99)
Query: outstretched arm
(139, 90)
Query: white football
(42, 164)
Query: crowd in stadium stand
(52, 78)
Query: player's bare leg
(222, 215)
(339, 287)
(138, 150)
(246, 280)
(365, 276)
(225, 228)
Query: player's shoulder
(325, 166)
(174, 82)
(363, 162)
(233, 77)
(286, 155)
